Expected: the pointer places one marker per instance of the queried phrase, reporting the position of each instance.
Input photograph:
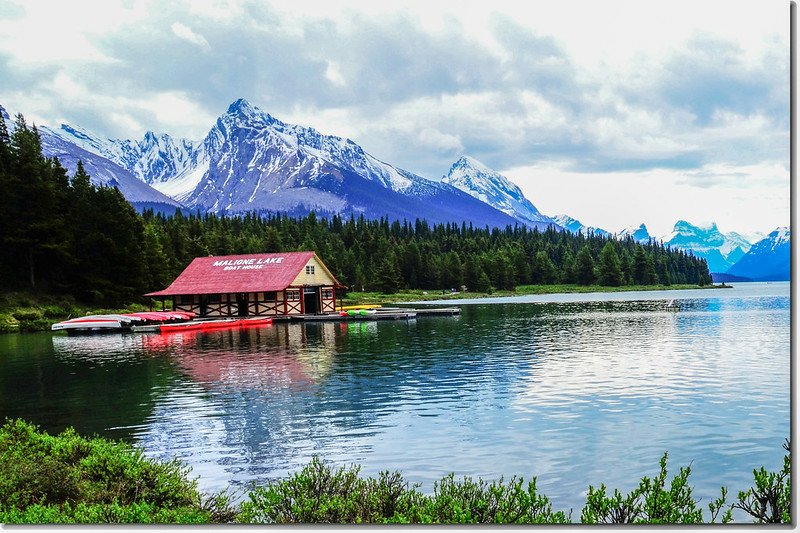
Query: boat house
(253, 285)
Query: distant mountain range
(721, 251)
(251, 161)
(637, 233)
(575, 226)
(767, 260)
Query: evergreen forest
(62, 234)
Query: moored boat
(97, 324)
(220, 324)
(160, 317)
(185, 326)
(258, 321)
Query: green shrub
(69, 478)
(55, 311)
(8, 324)
(27, 314)
(114, 513)
(770, 501)
(652, 502)
(319, 494)
(479, 502)
(40, 324)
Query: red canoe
(186, 326)
(261, 321)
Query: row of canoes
(154, 321)
(120, 321)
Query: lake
(573, 389)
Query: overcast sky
(615, 112)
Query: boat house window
(292, 296)
(327, 294)
(270, 296)
(309, 269)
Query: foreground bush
(652, 502)
(320, 494)
(71, 479)
(770, 501)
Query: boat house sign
(247, 264)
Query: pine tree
(609, 269)
(568, 268)
(388, 276)
(544, 269)
(650, 275)
(639, 266)
(584, 267)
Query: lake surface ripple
(573, 391)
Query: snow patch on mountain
(103, 171)
(154, 159)
(637, 233)
(721, 250)
(768, 260)
(491, 187)
(575, 226)
(241, 114)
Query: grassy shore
(26, 312)
(418, 295)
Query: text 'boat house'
(254, 285)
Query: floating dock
(384, 313)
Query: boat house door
(241, 304)
(311, 300)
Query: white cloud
(184, 32)
(439, 141)
(334, 74)
(593, 86)
(742, 199)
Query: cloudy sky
(615, 112)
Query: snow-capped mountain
(637, 233)
(490, 187)
(575, 226)
(155, 159)
(767, 260)
(251, 161)
(101, 169)
(105, 172)
(721, 250)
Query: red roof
(238, 273)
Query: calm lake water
(573, 389)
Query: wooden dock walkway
(393, 313)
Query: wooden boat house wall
(254, 285)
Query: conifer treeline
(64, 235)
(390, 255)
(60, 235)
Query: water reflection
(255, 358)
(575, 393)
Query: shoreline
(419, 296)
